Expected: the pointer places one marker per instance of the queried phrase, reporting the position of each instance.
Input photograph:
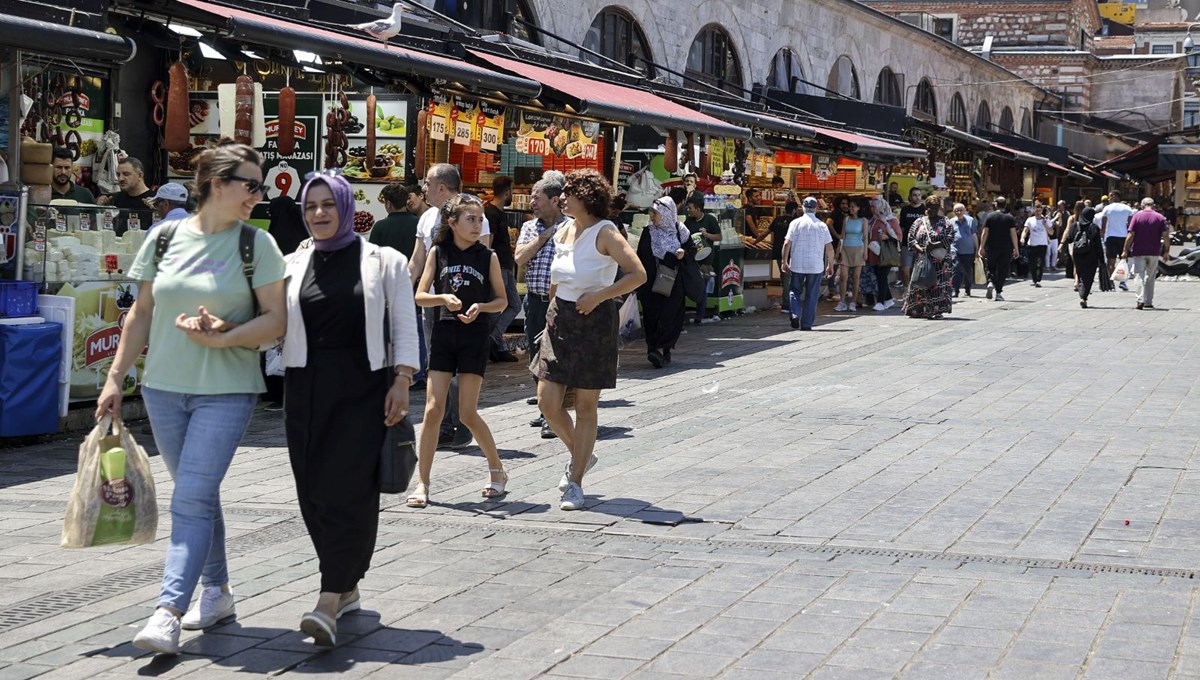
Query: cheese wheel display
(286, 139)
(176, 132)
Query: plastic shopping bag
(274, 358)
(631, 321)
(980, 272)
(1121, 271)
(113, 498)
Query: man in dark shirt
(753, 212)
(135, 198)
(778, 232)
(700, 222)
(64, 186)
(1000, 247)
(894, 199)
(399, 229)
(909, 215)
(498, 221)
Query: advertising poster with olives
(546, 135)
(391, 131)
(100, 311)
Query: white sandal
(496, 489)
(419, 498)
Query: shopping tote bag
(113, 498)
(980, 272)
(1121, 271)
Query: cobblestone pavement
(1008, 493)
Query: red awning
(290, 35)
(608, 101)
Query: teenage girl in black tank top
(460, 285)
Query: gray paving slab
(974, 498)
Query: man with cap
(808, 255)
(1148, 239)
(170, 203)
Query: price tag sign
(462, 132)
(489, 138)
(85, 222)
(537, 146)
(437, 128)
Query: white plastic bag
(631, 321)
(1121, 271)
(644, 187)
(274, 357)
(113, 500)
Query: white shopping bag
(631, 321)
(1121, 271)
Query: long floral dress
(926, 303)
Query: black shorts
(459, 348)
(1113, 245)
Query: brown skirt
(577, 350)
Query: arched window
(786, 72)
(713, 59)
(843, 78)
(887, 88)
(983, 117)
(958, 113)
(925, 101)
(617, 35)
(1006, 120)
(491, 15)
(1026, 123)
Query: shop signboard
(490, 126)
(101, 308)
(546, 135)
(716, 157)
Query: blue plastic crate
(18, 298)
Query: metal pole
(23, 221)
(617, 157)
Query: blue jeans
(806, 287)
(500, 322)
(197, 436)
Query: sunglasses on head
(253, 186)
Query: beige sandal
(495, 489)
(321, 628)
(419, 497)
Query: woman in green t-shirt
(196, 309)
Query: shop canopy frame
(44, 38)
(610, 101)
(286, 34)
(1143, 162)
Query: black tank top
(464, 274)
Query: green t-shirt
(203, 270)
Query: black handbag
(398, 455)
(924, 273)
(398, 458)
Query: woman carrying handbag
(882, 247)
(661, 249)
(345, 385)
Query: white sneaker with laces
(566, 478)
(161, 634)
(999, 297)
(840, 307)
(889, 304)
(214, 606)
(879, 307)
(573, 498)
(853, 307)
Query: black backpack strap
(162, 241)
(246, 248)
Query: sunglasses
(253, 186)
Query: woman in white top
(1036, 237)
(578, 349)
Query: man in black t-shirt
(498, 222)
(134, 198)
(909, 215)
(1000, 247)
(399, 229)
(778, 232)
(700, 222)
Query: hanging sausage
(287, 122)
(671, 152)
(243, 128)
(177, 132)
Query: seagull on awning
(383, 29)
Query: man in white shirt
(808, 248)
(1114, 220)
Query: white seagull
(383, 29)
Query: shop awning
(1068, 172)
(856, 145)
(1179, 156)
(965, 138)
(43, 37)
(759, 120)
(1017, 155)
(290, 35)
(608, 101)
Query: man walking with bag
(809, 251)
(1149, 237)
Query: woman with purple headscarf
(347, 381)
(664, 241)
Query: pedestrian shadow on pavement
(637, 510)
(609, 432)
(505, 454)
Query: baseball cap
(810, 203)
(172, 191)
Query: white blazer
(384, 279)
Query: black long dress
(333, 411)
(662, 315)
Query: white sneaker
(840, 307)
(566, 478)
(161, 634)
(879, 307)
(990, 291)
(853, 307)
(889, 304)
(573, 498)
(214, 606)
(999, 297)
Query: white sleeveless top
(579, 268)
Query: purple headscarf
(343, 196)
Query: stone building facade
(821, 35)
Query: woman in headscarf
(933, 238)
(664, 241)
(882, 228)
(1086, 241)
(350, 352)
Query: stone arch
(1006, 120)
(983, 116)
(786, 72)
(925, 100)
(888, 88)
(617, 34)
(957, 116)
(843, 78)
(713, 56)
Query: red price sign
(537, 146)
